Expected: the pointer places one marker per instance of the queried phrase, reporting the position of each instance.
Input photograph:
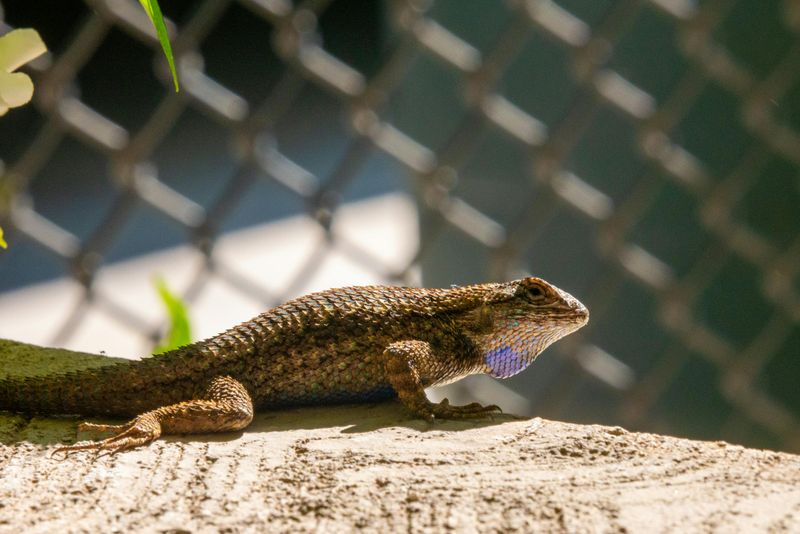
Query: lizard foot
(475, 410)
(135, 433)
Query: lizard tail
(121, 388)
(105, 391)
(83, 392)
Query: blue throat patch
(506, 361)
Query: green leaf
(3, 243)
(180, 330)
(154, 12)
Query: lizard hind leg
(225, 405)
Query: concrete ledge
(374, 467)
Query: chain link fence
(642, 154)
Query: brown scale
(342, 345)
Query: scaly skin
(355, 344)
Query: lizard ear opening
(480, 319)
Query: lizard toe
(135, 433)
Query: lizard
(344, 345)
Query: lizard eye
(535, 294)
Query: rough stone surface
(374, 468)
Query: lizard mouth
(572, 323)
(574, 309)
(582, 313)
(571, 318)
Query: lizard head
(518, 320)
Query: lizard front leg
(403, 363)
(224, 405)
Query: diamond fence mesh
(642, 154)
